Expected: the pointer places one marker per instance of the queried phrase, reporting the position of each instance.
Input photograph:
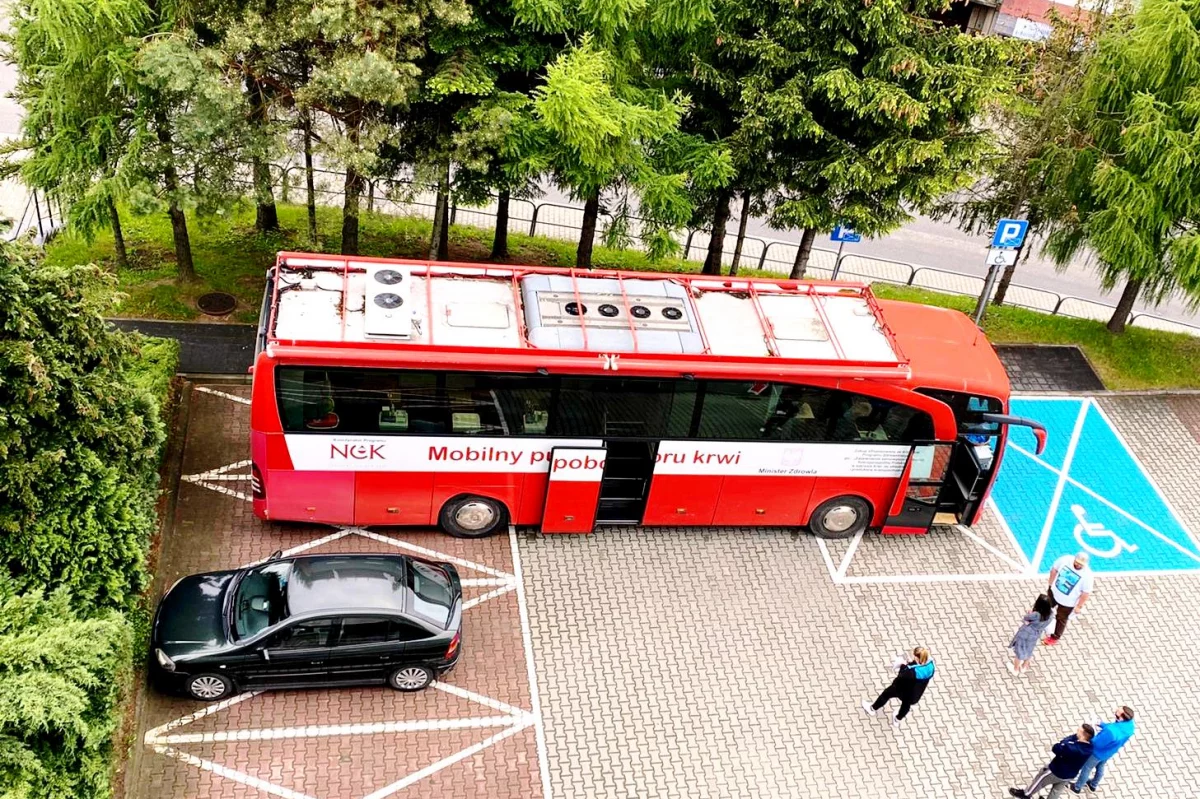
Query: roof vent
(389, 309)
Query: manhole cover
(216, 303)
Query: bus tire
(471, 516)
(841, 517)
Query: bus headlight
(164, 660)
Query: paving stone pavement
(717, 663)
(726, 662)
(270, 744)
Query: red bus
(471, 396)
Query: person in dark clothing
(1069, 756)
(909, 686)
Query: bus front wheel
(840, 517)
(470, 516)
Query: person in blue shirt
(1107, 743)
(1069, 755)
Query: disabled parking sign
(1087, 492)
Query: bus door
(924, 483)
(969, 477)
(573, 490)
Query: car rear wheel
(209, 687)
(840, 517)
(411, 678)
(471, 516)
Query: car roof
(340, 582)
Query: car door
(367, 649)
(297, 654)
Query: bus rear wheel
(470, 516)
(840, 517)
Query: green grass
(231, 256)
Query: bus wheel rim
(208, 687)
(475, 516)
(840, 518)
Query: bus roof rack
(641, 321)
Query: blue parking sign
(1010, 233)
(843, 233)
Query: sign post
(1006, 241)
(842, 234)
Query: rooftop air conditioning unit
(389, 309)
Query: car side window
(303, 635)
(404, 631)
(357, 630)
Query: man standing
(1070, 587)
(1069, 754)
(1107, 743)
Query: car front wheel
(209, 687)
(411, 678)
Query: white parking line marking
(213, 474)
(833, 572)
(332, 730)
(849, 554)
(1056, 497)
(219, 488)
(539, 728)
(485, 581)
(224, 394)
(1027, 567)
(432, 554)
(231, 774)
(1020, 567)
(470, 603)
(153, 735)
(433, 768)
(316, 542)
(479, 699)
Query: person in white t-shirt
(1070, 587)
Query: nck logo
(358, 452)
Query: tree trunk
(439, 240)
(1120, 317)
(118, 237)
(587, 232)
(185, 269)
(500, 240)
(309, 181)
(802, 253)
(741, 236)
(352, 192)
(716, 237)
(266, 218)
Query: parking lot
(730, 662)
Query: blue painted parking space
(1086, 492)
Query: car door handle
(315, 662)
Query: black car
(308, 621)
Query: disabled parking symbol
(1086, 492)
(1087, 532)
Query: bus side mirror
(1037, 428)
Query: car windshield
(261, 598)
(432, 595)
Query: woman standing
(1025, 640)
(909, 685)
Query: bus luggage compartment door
(573, 490)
